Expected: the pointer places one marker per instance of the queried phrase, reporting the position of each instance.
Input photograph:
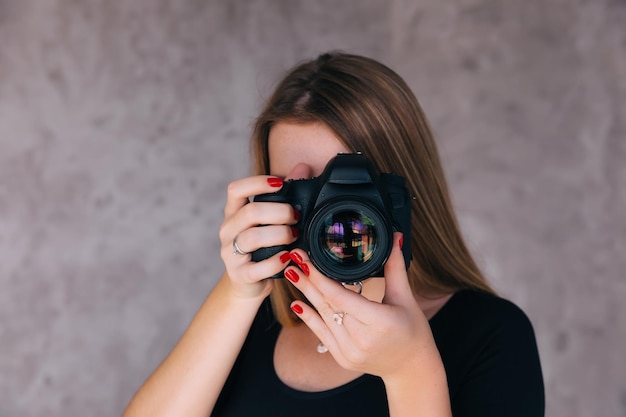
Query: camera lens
(348, 236)
(349, 240)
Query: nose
(300, 171)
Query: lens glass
(348, 237)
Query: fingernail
(292, 275)
(298, 259)
(295, 256)
(285, 257)
(401, 242)
(275, 182)
(296, 215)
(296, 308)
(294, 232)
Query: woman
(433, 340)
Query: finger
(239, 191)
(301, 281)
(397, 288)
(251, 272)
(266, 236)
(254, 214)
(326, 295)
(318, 326)
(333, 336)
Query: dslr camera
(348, 216)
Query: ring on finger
(352, 284)
(338, 318)
(236, 249)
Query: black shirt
(487, 346)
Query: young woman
(433, 340)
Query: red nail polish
(295, 256)
(292, 275)
(401, 242)
(285, 257)
(275, 182)
(294, 232)
(298, 259)
(296, 215)
(297, 309)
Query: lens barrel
(349, 239)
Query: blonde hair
(372, 110)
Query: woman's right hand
(188, 382)
(242, 220)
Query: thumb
(397, 286)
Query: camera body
(347, 218)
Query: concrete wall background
(122, 122)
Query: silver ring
(236, 249)
(338, 318)
(351, 284)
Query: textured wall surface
(122, 122)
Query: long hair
(372, 110)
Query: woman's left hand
(384, 339)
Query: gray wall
(122, 122)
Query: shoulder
(474, 323)
(488, 347)
(476, 311)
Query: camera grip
(264, 253)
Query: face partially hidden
(301, 150)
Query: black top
(487, 345)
